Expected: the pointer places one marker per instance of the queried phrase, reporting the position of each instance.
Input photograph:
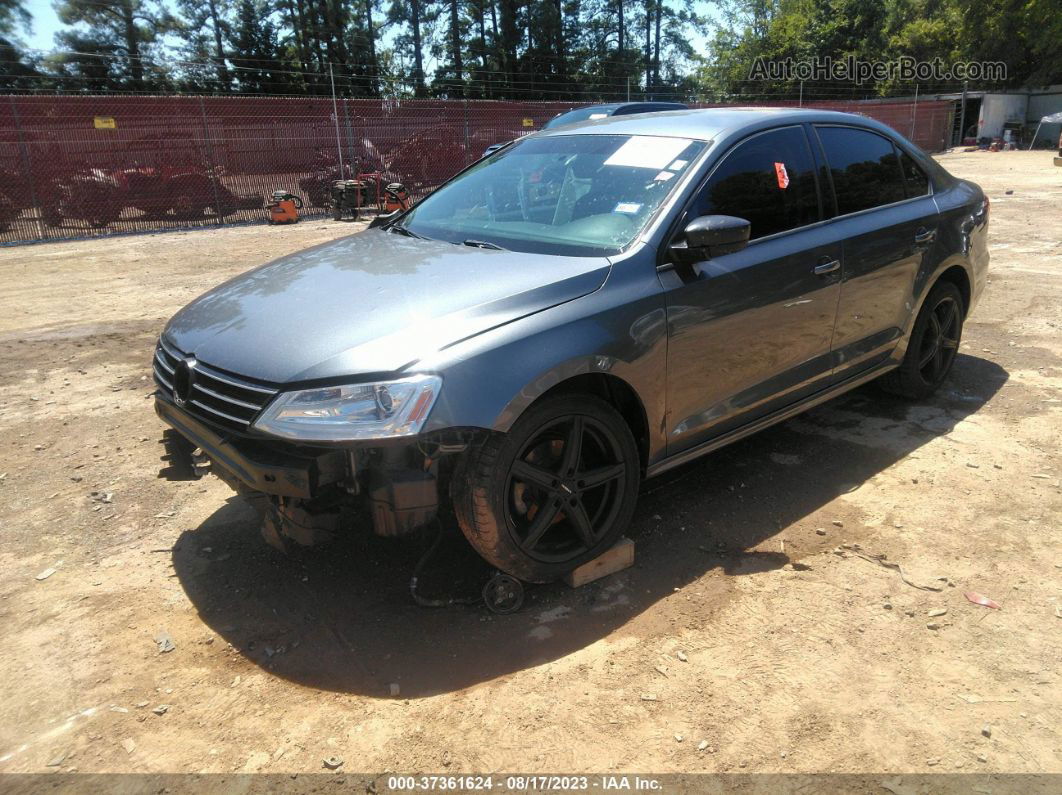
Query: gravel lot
(799, 650)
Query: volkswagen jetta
(587, 308)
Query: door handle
(924, 235)
(826, 267)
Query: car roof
(707, 124)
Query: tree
(254, 50)
(124, 30)
(204, 27)
(1024, 34)
(13, 17)
(17, 71)
(409, 13)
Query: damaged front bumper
(307, 493)
(295, 472)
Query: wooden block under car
(618, 558)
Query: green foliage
(578, 50)
(123, 32)
(1026, 35)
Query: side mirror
(711, 236)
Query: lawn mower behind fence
(350, 196)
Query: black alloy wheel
(940, 340)
(554, 492)
(933, 345)
(563, 488)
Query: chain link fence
(76, 166)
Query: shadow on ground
(341, 618)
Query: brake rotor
(503, 594)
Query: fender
(620, 332)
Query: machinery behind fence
(72, 166)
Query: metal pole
(914, 113)
(628, 88)
(801, 93)
(219, 216)
(27, 167)
(962, 114)
(335, 118)
(468, 146)
(1038, 126)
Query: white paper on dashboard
(647, 151)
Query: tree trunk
(482, 36)
(532, 70)
(557, 4)
(298, 29)
(455, 37)
(418, 56)
(132, 45)
(314, 27)
(338, 37)
(648, 47)
(622, 28)
(656, 50)
(509, 41)
(374, 65)
(219, 50)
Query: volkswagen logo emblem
(183, 378)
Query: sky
(45, 24)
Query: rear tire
(554, 492)
(933, 345)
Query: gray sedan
(587, 308)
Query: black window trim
(683, 214)
(896, 149)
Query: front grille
(216, 396)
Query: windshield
(581, 195)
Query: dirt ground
(800, 652)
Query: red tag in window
(783, 176)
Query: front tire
(554, 492)
(933, 345)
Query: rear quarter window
(865, 168)
(913, 176)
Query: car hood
(374, 302)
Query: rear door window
(768, 179)
(865, 168)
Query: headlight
(356, 411)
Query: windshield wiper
(398, 228)
(483, 244)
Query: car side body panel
(618, 331)
(900, 287)
(748, 331)
(882, 263)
